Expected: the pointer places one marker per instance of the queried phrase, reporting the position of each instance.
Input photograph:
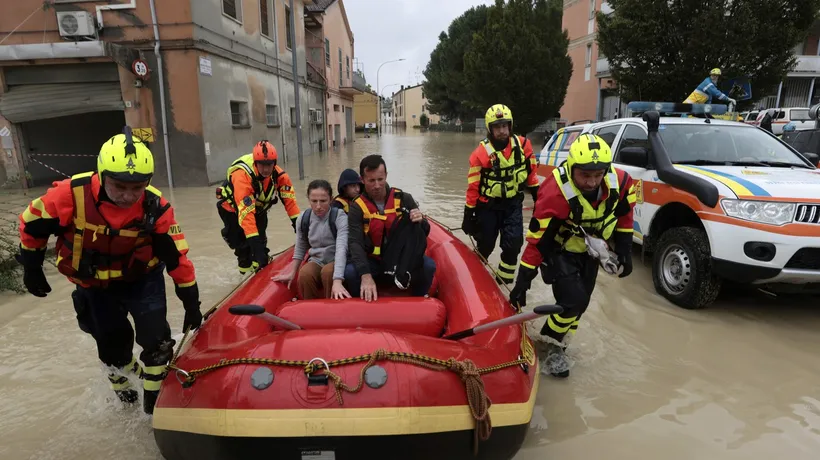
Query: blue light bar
(671, 107)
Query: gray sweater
(319, 242)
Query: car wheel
(682, 268)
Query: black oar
(258, 310)
(515, 319)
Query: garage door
(44, 92)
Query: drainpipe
(161, 95)
(279, 81)
(122, 6)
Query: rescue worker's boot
(151, 383)
(557, 363)
(122, 386)
(505, 274)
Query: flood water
(740, 380)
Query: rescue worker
(115, 235)
(350, 187)
(586, 195)
(502, 167)
(707, 89)
(251, 189)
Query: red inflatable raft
(395, 387)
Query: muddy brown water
(740, 380)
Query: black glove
(33, 276)
(293, 223)
(534, 192)
(518, 295)
(190, 302)
(623, 248)
(470, 223)
(259, 252)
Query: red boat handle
(258, 310)
(515, 319)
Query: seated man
(370, 220)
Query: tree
(519, 58)
(445, 86)
(424, 120)
(660, 50)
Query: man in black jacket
(371, 218)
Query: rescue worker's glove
(259, 252)
(33, 276)
(190, 302)
(470, 222)
(534, 192)
(293, 223)
(518, 295)
(623, 248)
(734, 102)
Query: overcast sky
(384, 30)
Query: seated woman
(350, 186)
(325, 242)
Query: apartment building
(210, 80)
(408, 106)
(365, 109)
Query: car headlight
(763, 212)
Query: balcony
(602, 67)
(315, 57)
(358, 86)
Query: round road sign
(140, 68)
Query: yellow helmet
(715, 71)
(499, 113)
(124, 158)
(589, 152)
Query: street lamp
(380, 100)
(379, 96)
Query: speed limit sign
(140, 69)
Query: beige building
(408, 105)
(330, 56)
(365, 109)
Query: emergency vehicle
(717, 200)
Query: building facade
(408, 106)
(221, 82)
(593, 93)
(330, 44)
(365, 109)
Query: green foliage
(660, 50)
(424, 120)
(512, 53)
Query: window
(588, 60)
(288, 30)
(264, 17)
(634, 136)
(272, 115)
(293, 116)
(327, 51)
(232, 8)
(608, 133)
(239, 115)
(347, 66)
(340, 68)
(336, 108)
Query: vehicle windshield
(722, 144)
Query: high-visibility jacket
(341, 203)
(246, 193)
(99, 242)
(704, 93)
(376, 224)
(561, 209)
(501, 174)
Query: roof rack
(638, 107)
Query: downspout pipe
(161, 96)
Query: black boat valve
(258, 310)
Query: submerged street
(650, 380)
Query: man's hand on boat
(416, 216)
(368, 290)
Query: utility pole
(296, 92)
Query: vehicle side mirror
(812, 157)
(634, 156)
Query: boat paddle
(515, 319)
(258, 310)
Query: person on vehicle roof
(116, 235)
(502, 168)
(322, 232)
(250, 190)
(707, 89)
(350, 187)
(370, 221)
(585, 200)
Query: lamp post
(379, 96)
(380, 100)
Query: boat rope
(467, 371)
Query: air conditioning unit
(76, 24)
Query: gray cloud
(384, 30)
